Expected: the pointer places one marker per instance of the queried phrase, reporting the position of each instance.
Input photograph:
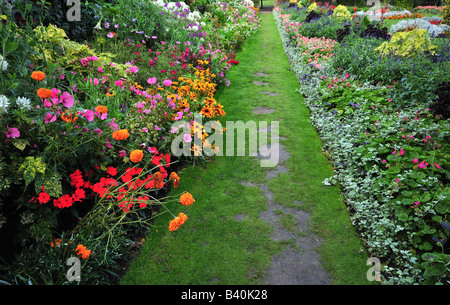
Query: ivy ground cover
(378, 102)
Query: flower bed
(386, 133)
(86, 161)
(433, 25)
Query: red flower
(64, 201)
(112, 171)
(77, 179)
(43, 196)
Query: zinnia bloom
(38, 75)
(44, 93)
(136, 155)
(186, 199)
(177, 222)
(120, 135)
(101, 109)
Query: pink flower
(134, 69)
(151, 80)
(157, 128)
(187, 138)
(415, 161)
(67, 100)
(437, 165)
(100, 69)
(122, 153)
(12, 132)
(167, 82)
(89, 115)
(423, 164)
(118, 83)
(49, 117)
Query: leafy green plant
(408, 44)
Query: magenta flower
(67, 99)
(415, 161)
(12, 132)
(49, 117)
(89, 115)
(122, 153)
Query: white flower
(23, 103)
(3, 64)
(194, 28)
(4, 103)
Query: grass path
(250, 224)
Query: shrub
(408, 44)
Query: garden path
(252, 224)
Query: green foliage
(341, 12)
(408, 44)
(405, 4)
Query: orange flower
(101, 109)
(120, 135)
(158, 178)
(136, 155)
(176, 179)
(186, 199)
(57, 242)
(44, 93)
(177, 222)
(68, 117)
(38, 75)
(83, 251)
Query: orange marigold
(119, 135)
(177, 222)
(38, 75)
(136, 155)
(158, 180)
(83, 251)
(186, 199)
(44, 93)
(176, 179)
(101, 109)
(68, 117)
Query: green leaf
(51, 182)
(20, 143)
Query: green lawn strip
(212, 247)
